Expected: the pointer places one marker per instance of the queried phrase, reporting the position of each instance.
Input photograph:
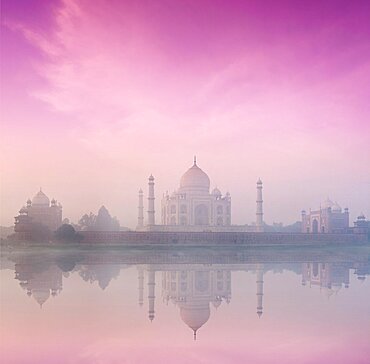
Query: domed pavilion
(40, 210)
(193, 204)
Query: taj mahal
(193, 207)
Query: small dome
(336, 208)
(41, 295)
(23, 210)
(195, 178)
(40, 199)
(216, 192)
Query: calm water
(189, 306)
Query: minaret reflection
(141, 286)
(151, 293)
(259, 291)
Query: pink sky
(98, 95)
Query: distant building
(38, 211)
(192, 207)
(328, 219)
(361, 225)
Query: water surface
(185, 306)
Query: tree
(67, 232)
(87, 222)
(101, 222)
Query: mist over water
(137, 306)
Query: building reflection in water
(329, 277)
(39, 280)
(193, 288)
(100, 273)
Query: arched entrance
(315, 226)
(201, 279)
(201, 215)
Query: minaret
(141, 286)
(151, 211)
(140, 217)
(304, 221)
(259, 291)
(259, 211)
(151, 293)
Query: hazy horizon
(96, 97)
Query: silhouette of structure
(328, 219)
(259, 211)
(361, 225)
(37, 214)
(140, 218)
(192, 207)
(151, 198)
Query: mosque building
(328, 219)
(193, 207)
(41, 211)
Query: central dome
(195, 178)
(195, 314)
(41, 199)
